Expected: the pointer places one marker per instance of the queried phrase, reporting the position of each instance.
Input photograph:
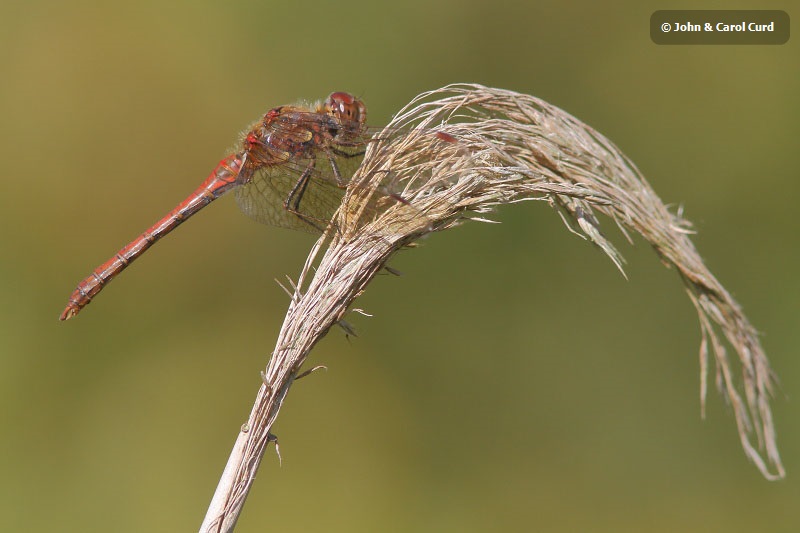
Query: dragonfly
(290, 171)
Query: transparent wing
(265, 197)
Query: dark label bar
(719, 27)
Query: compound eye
(346, 107)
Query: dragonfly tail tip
(69, 312)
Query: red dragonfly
(291, 172)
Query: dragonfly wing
(265, 196)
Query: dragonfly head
(347, 111)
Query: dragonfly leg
(340, 181)
(336, 173)
(292, 202)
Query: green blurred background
(511, 380)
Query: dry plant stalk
(493, 147)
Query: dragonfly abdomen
(222, 179)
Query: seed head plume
(455, 154)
